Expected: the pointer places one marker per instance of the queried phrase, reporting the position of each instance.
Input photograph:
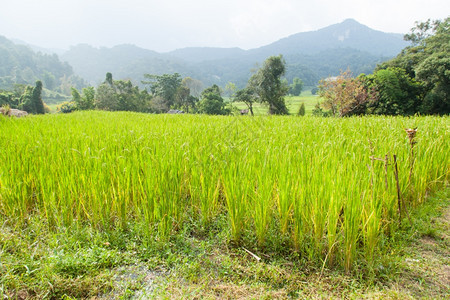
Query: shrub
(66, 107)
(301, 110)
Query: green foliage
(301, 110)
(421, 31)
(6, 109)
(185, 100)
(165, 86)
(396, 92)
(26, 100)
(117, 95)
(109, 78)
(318, 111)
(212, 103)
(268, 85)
(10, 98)
(427, 61)
(296, 87)
(85, 101)
(247, 96)
(67, 107)
(37, 99)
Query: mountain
(35, 48)
(123, 61)
(309, 55)
(348, 34)
(199, 54)
(19, 64)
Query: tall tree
(109, 78)
(184, 100)
(37, 98)
(212, 103)
(165, 86)
(26, 102)
(296, 87)
(268, 85)
(195, 86)
(428, 61)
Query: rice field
(325, 188)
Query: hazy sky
(170, 24)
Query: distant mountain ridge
(348, 34)
(309, 55)
(199, 54)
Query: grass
(183, 196)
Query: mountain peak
(350, 21)
(347, 34)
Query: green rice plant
(261, 203)
(236, 190)
(326, 186)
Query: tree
(88, 98)
(26, 102)
(37, 98)
(212, 103)
(109, 78)
(183, 99)
(246, 95)
(106, 97)
(301, 110)
(267, 84)
(85, 101)
(296, 87)
(119, 95)
(344, 95)
(421, 31)
(12, 98)
(195, 86)
(165, 86)
(395, 93)
(434, 72)
(427, 61)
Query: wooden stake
(399, 199)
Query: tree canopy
(212, 103)
(428, 62)
(268, 85)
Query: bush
(301, 110)
(66, 107)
